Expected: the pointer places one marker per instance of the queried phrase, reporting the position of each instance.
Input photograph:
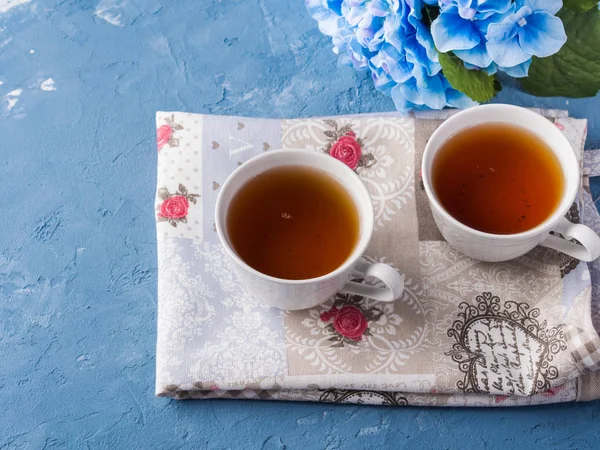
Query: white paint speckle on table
(48, 85)
(5, 41)
(6, 5)
(11, 99)
(109, 11)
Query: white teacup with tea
(296, 224)
(500, 180)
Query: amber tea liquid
(498, 178)
(293, 222)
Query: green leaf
(476, 84)
(580, 5)
(575, 70)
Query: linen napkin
(464, 333)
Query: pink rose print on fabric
(349, 320)
(164, 133)
(347, 150)
(344, 146)
(174, 207)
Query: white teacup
(301, 294)
(497, 247)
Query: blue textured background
(77, 245)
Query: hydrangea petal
(508, 28)
(381, 80)
(450, 32)
(483, 23)
(434, 94)
(455, 98)
(467, 13)
(411, 92)
(445, 5)
(519, 71)
(490, 70)
(377, 41)
(330, 26)
(431, 96)
(393, 33)
(318, 11)
(393, 63)
(496, 6)
(507, 53)
(335, 6)
(355, 14)
(420, 57)
(550, 6)
(543, 36)
(379, 8)
(401, 103)
(425, 39)
(477, 56)
(419, 73)
(415, 15)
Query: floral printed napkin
(464, 333)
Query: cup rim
(366, 224)
(547, 224)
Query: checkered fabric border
(585, 347)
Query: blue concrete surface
(77, 246)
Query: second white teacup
(501, 247)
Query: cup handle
(589, 249)
(393, 280)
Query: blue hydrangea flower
(533, 30)
(390, 38)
